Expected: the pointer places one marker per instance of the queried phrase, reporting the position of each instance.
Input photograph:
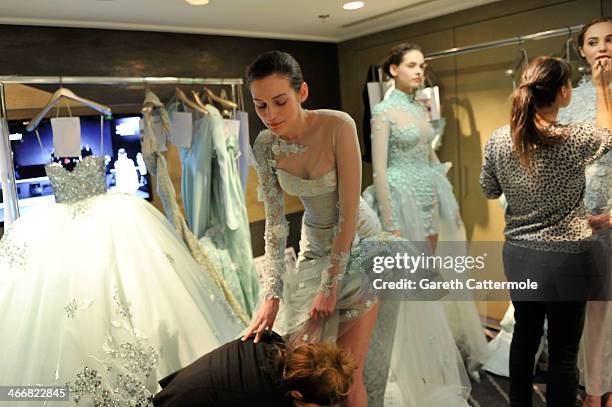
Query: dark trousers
(565, 324)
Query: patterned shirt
(545, 198)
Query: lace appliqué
(329, 279)
(338, 260)
(280, 146)
(270, 192)
(121, 378)
(72, 307)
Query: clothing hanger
(224, 102)
(518, 66)
(198, 100)
(59, 95)
(180, 95)
(227, 113)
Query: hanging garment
(595, 359)
(411, 194)
(438, 377)
(245, 145)
(229, 225)
(157, 126)
(214, 202)
(370, 95)
(99, 293)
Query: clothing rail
(112, 80)
(7, 171)
(504, 42)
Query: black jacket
(235, 374)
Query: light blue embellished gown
(339, 232)
(595, 359)
(412, 195)
(214, 202)
(99, 293)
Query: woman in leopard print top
(540, 167)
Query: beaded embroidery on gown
(99, 293)
(411, 194)
(595, 358)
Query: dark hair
(540, 84)
(275, 62)
(586, 27)
(321, 372)
(396, 54)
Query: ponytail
(540, 85)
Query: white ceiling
(285, 19)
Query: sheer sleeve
(380, 144)
(277, 228)
(488, 180)
(348, 165)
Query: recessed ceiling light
(197, 2)
(353, 5)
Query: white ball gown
(99, 294)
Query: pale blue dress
(214, 203)
(412, 194)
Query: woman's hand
(600, 222)
(602, 73)
(264, 320)
(396, 233)
(323, 306)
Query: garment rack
(7, 171)
(520, 39)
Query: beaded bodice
(87, 179)
(409, 140)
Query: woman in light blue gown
(411, 193)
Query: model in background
(540, 167)
(411, 193)
(595, 42)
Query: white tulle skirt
(102, 296)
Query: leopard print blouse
(545, 199)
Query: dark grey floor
(492, 391)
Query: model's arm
(381, 131)
(348, 165)
(277, 228)
(275, 237)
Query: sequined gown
(411, 194)
(425, 364)
(98, 292)
(595, 358)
